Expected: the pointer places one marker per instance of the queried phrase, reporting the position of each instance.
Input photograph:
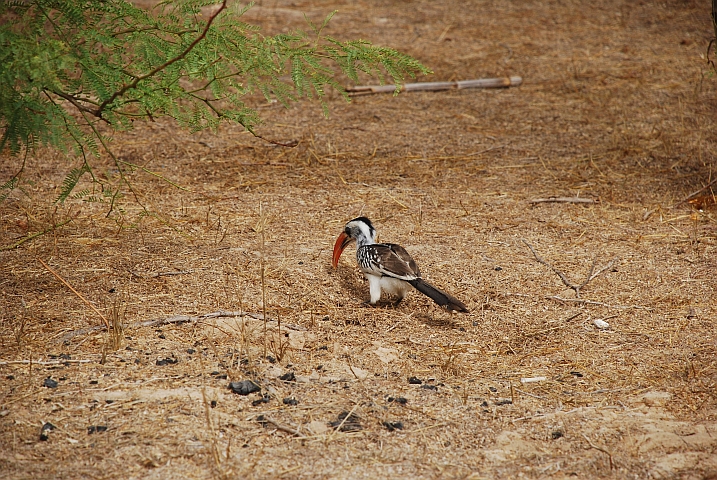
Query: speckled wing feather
(390, 260)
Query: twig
(558, 272)
(564, 200)
(694, 193)
(180, 319)
(107, 324)
(592, 274)
(279, 426)
(160, 274)
(35, 235)
(436, 86)
(529, 394)
(592, 302)
(38, 362)
(600, 449)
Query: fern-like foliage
(66, 65)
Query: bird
(388, 267)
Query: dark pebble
(213, 404)
(556, 434)
(111, 290)
(96, 429)
(191, 351)
(109, 401)
(259, 401)
(484, 403)
(323, 347)
(429, 387)
(161, 335)
(391, 426)
(49, 383)
(245, 387)
(326, 318)
(10, 377)
(319, 367)
(414, 381)
(47, 427)
(288, 377)
(271, 359)
(166, 361)
(504, 402)
(351, 423)
(399, 400)
(577, 374)
(498, 268)
(493, 389)
(64, 356)
(290, 401)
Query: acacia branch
(133, 84)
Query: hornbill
(388, 266)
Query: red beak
(339, 246)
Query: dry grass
(616, 105)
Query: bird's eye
(347, 231)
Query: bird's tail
(441, 298)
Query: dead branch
(107, 324)
(174, 319)
(436, 86)
(264, 419)
(592, 274)
(160, 274)
(694, 193)
(600, 449)
(592, 302)
(564, 200)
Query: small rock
(399, 400)
(346, 422)
(577, 374)
(414, 381)
(290, 401)
(259, 401)
(493, 389)
(498, 268)
(49, 383)
(288, 377)
(96, 429)
(429, 387)
(213, 404)
(271, 359)
(245, 387)
(506, 401)
(191, 351)
(556, 434)
(167, 361)
(391, 426)
(47, 427)
(601, 324)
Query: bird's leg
(374, 285)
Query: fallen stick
(564, 200)
(436, 86)
(179, 319)
(107, 324)
(694, 193)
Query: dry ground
(616, 106)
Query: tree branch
(133, 84)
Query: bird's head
(359, 230)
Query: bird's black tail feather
(441, 298)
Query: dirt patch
(617, 106)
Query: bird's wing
(393, 260)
